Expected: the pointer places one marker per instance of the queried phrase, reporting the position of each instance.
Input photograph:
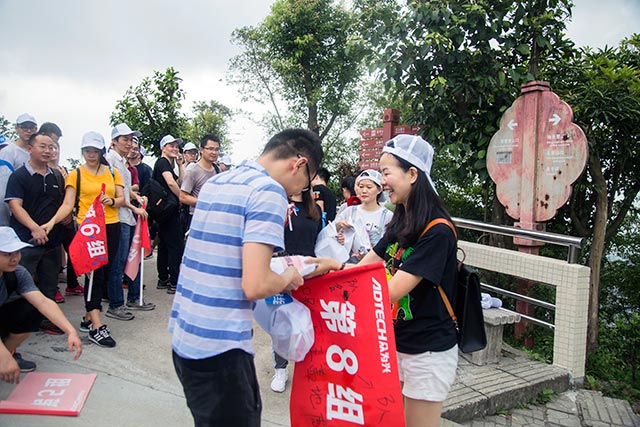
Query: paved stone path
(582, 408)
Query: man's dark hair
(291, 142)
(209, 137)
(324, 174)
(33, 137)
(48, 128)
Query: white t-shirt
(375, 222)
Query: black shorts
(18, 317)
(221, 390)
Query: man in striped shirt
(237, 224)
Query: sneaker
(102, 337)
(59, 298)
(78, 290)
(25, 365)
(279, 381)
(171, 289)
(120, 313)
(163, 284)
(48, 327)
(135, 305)
(85, 325)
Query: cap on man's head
(9, 241)
(92, 139)
(135, 139)
(225, 159)
(189, 146)
(123, 129)
(142, 150)
(168, 139)
(372, 175)
(26, 118)
(414, 150)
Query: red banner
(49, 393)
(350, 375)
(88, 250)
(140, 241)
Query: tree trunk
(597, 248)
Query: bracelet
(113, 201)
(342, 266)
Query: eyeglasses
(308, 173)
(214, 149)
(28, 128)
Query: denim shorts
(221, 390)
(428, 376)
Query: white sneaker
(279, 381)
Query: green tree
(458, 64)
(209, 118)
(603, 88)
(7, 128)
(153, 108)
(300, 54)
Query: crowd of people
(214, 251)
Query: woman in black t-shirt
(170, 236)
(416, 263)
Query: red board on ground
(350, 375)
(49, 393)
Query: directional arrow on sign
(555, 119)
(512, 124)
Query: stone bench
(494, 321)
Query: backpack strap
(443, 295)
(75, 206)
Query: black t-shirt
(144, 174)
(300, 238)
(41, 197)
(322, 193)
(162, 165)
(423, 322)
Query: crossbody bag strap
(443, 295)
(75, 206)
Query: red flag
(88, 250)
(350, 375)
(140, 240)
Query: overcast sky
(69, 61)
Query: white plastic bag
(289, 325)
(361, 243)
(327, 244)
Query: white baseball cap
(143, 151)
(123, 129)
(167, 139)
(92, 139)
(189, 146)
(225, 159)
(372, 175)
(26, 118)
(9, 241)
(414, 150)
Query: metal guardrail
(573, 243)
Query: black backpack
(467, 317)
(160, 205)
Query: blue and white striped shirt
(210, 313)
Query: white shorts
(428, 376)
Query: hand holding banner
(350, 375)
(88, 250)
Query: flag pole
(141, 275)
(90, 285)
